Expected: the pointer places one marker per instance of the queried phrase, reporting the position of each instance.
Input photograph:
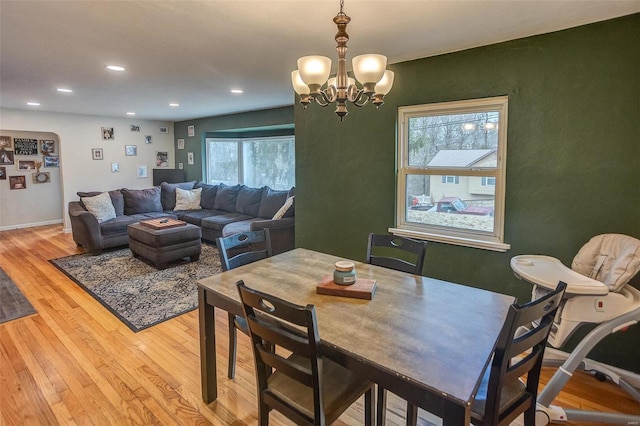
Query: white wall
(77, 135)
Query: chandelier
(313, 72)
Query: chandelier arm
(323, 99)
(361, 99)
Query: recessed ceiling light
(115, 68)
(63, 90)
(174, 105)
(237, 91)
(33, 103)
(131, 113)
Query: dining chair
(402, 254)
(306, 387)
(504, 392)
(237, 250)
(396, 252)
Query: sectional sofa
(99, 220)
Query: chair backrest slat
(395, 252)
(243, 248)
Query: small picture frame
(162, 159)
(17, 182)
(163, 129)
(51, 161)
(6, 157)
(142, 172)
(3, 173)
(134, 127)
(180, 143)
(190, 159)
(131, 150)
(96, 153)
(47, 147)
(147, 139)
(107, 134)
(41, 177)
(115, 167)
(6, 142)
(26, 165)
(191, 130)
(180, 166)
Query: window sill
(493, 245)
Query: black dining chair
(504, 392)
(306, 387)
(237, 250)
(402, 254)
(396, 252)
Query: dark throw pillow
(272, 200)
(138, 201)
(248, 201)
(208, 195)
(226, 198)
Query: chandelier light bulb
(298, 85)
(314, 69)
(384, 85)
(369, 68)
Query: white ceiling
(194, 52)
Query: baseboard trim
(30, 225)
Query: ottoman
(161, 246)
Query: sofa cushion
(220, 221)
(116, 199)
(141, 200)
(196, 216)
(285, 208)
(248, 201)
(100, 206)
(168, 193)
(188, 199)
(238, 227)
(226, 198)
(208, 195)
(117, 226)
(272, 200)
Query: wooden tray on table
(362, 289)
(162, 223)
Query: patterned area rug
(136, 292)
(13, 304)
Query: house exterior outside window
(451, 172)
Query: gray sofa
(225, 210)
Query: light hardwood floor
(74, 363)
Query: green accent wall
(260, 123)
(573, 156)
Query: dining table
(426, 340)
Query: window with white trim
(451, 172)
(254, 162)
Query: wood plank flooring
(74, 363)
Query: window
(252, 162)
(451, 172)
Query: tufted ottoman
(163, 244)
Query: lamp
(370, 71)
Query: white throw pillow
(287, 204)
(188, 199)
(100, 206)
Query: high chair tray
(546, 271)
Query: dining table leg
(208, 364)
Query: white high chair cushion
(612, 259)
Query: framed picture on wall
(131, 150)
(26, 164)
(162, 159)
(191, 131)
(107, 134)
(17, 182)
(3, 173)
(180, 143)
(163, 129)
(115, 167)
(190, 158)
(96, 153)
(6, 142)
(51, 161)
(147, 139)
(47, 147)
(6, 157)
(142, 172)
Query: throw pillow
(286, 206)
(138, 201)
(208, 195)
(271, 202)
(168, 193)
(116, 198)
(226, 198)
(188, 199)
(248, 201)
(100, 206)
